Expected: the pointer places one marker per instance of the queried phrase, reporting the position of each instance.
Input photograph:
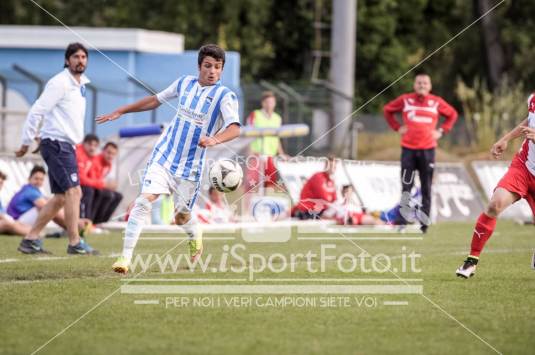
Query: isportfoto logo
(237, 260)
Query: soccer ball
(225, 175)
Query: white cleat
(467, 269)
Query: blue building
(119, 59)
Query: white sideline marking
(222, 228)
(53, 258)
(8, 260)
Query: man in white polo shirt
(61, 109)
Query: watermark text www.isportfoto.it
(236, 260)
(327, 275)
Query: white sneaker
(468, 269)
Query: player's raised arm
(501, 145)
(145, 104)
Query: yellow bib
(267, 145)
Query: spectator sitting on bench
(7, 224)
(346, 213)
(318, 193)
(99, 198)
(25, 204)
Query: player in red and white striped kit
(518, 182)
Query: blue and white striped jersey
(201, 111)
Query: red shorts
(356, 217)
(270, 175)
(520, 180)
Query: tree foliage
(276, 38)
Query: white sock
(136, 220)
(190, 227)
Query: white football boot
(468, 268)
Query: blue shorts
(60, 159)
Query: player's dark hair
(346, 187)
(3, 176)
(73, 48)
(211, 50)
(37, 169)
(91, 138)
(111, 144)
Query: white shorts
(159, 181)
(29, 217)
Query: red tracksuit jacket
(420, 114)
(317, 193)
(92, 170)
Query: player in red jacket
(107, 197)
(518, 182)
(99, 198)
(420, 112)
(318, 193)
(85, 153)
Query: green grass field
(41, 297)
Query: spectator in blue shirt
(25, 205)
(7, 224)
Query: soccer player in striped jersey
(207, 114)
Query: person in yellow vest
(265, 148)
